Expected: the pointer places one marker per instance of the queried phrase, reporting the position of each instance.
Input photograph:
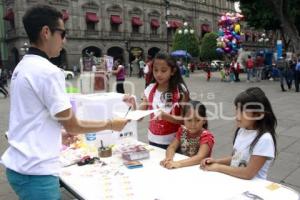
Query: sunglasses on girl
(62, 32)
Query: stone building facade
(123, 29)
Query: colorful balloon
(229, 33)
(237, 28)
(219, 50)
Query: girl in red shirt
(167, 92)
(193, 139)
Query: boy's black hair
(176, 81)
(255, 98)
(37, 17)
(197, 106)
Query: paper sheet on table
(136, 114)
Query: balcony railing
(154, 36)
(91, 33)
(115, 34)
(136, 35)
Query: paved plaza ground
(218, 96)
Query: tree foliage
(283, 15)
(208, 47)
(187, 42)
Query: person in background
(208, 73)
(282, 65)
(193, 139)
(148, 71)
(39, 109)
(2, 87)
(141, 67)
(254, 143)
(291, 71)
(119, 71)
(235, 66)
(259, 65)
(249, 68)
(297, 75)
(167, 94)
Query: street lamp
(186, 30)
(167, 13)
(25, 48)
(263, 39)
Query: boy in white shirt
(39, 106)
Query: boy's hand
(68, 139)
(117, 124)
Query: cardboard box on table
(102, 106)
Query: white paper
(136, 114)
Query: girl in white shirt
(254, 142)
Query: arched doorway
(116, 53)
(153, 51)
(61, 60)
(90, 56)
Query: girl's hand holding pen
(130, 101)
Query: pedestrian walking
(249, 68)
(297, 75)
(235, 66)
(119, 71)
(2, 87)
(282, 66)
(259, 65)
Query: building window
(154, 24)
(115, 21)
(91, 20)
(90, 26)
(154, 31)
(115, 27)
(135, 29)
(10, 17)
(136, 23)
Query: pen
(127, 111)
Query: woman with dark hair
(119, 71)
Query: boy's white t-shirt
(241, 150)
(34, 135)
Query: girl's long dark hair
(176, 81)
(254, 98)
(198, 107)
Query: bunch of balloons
(229, 33)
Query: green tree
(187, 42)
(208, 47)
(280, 15)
